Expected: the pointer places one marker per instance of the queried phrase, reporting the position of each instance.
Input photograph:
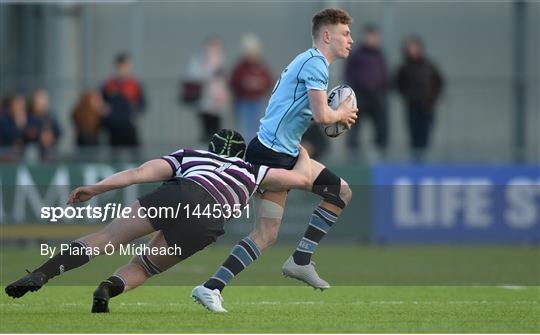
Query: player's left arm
(151, 171)
(282, 180)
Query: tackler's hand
(81, 194)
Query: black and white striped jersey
(229, 180)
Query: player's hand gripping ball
(335, 97)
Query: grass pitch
(375, 289)
(281, 309)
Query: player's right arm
(151, 171)
(323, 114)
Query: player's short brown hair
(329, 16)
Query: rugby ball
(335, 97)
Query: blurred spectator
(208, 70)
(251, 82)
(124, 95)
(366, 73)
(42, 127)
(87, 116)
(13, 122)
(420, 84)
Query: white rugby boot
(210, 299)
(305, 273)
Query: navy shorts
(257, 153)
(191, 233)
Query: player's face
(340, 40)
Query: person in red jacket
(251, 82)
(124, 95)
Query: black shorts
(189, 232)
(259, 154)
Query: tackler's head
(228, 142)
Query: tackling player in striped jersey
(217, 178)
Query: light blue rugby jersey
(288, 115)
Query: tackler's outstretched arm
(151, 171)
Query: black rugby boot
(33, 281)
(101, 299)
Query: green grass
(348, 264)
(281, 309)
(375, 289)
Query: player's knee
(135, 262)
(332, 189)
(345, 192)
(145, 265)
(269, 217)
(267, 210)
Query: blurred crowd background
(435, 81)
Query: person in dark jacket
(367, 74)
(420, 84)
(124, 95)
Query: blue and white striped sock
(242, 255)
(320, 223)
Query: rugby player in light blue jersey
(298, 97)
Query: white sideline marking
(512, 287)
